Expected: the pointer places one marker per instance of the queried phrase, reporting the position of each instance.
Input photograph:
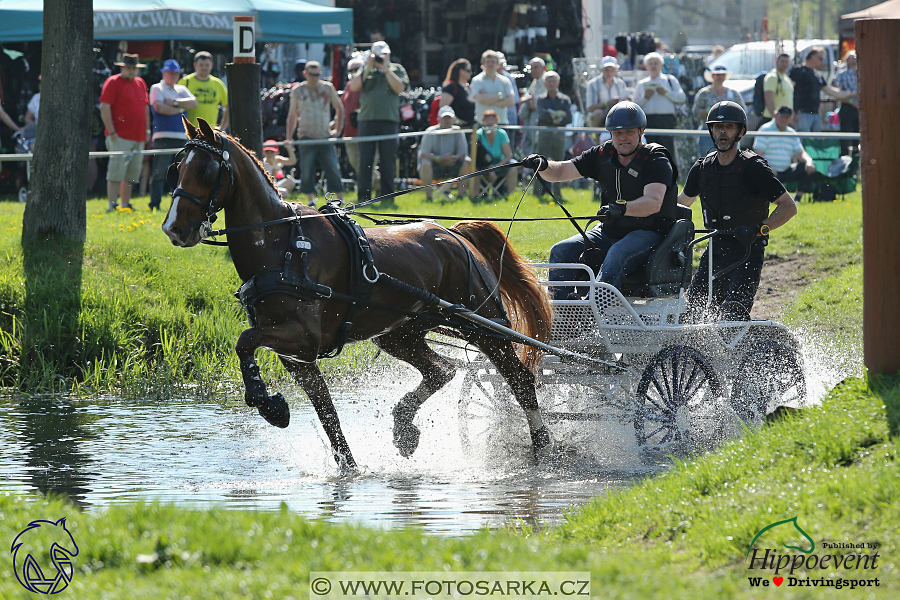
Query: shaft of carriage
(515, 336)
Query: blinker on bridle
(212, 178)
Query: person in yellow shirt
(778, 88)
(210, 92)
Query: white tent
(885, 10)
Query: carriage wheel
(487, 409)
(771, 375)
(676, 384)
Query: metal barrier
(699, 133)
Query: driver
(735, 188)
(638, 199)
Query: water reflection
(51, 434)
(192, 453)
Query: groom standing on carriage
(735, 188)
(638, 199)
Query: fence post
(244, 80)
(879, 88)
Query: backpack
(433, 112)
(275, 105)
(759, 94)
(825, 192)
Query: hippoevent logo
(39, 539)
(838, 565)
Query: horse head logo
(39, 539)
(812, 544)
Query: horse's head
(200, 182)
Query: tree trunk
(58, 186)
(54, 224)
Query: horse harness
(363, 274)
(212, 177)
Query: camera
(379, 59)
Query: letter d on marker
(244, 40)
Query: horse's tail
(525, 299)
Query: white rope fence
(834, 135)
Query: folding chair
(440, 192)
(491, 189)
(825, 152)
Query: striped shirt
(846, 81)
(777, 150)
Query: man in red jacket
(125, 110)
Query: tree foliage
(814, 13)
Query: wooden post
(244, 79)
(879, 89)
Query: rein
(398, 218)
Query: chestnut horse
(217, 173)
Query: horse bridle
(212, 178)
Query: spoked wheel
(770, 375)
(677, 391)
(488, 412)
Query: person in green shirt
(210, 92)
(380, 84)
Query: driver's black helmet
(727, 112)
(626, 115)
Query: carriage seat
(665, 272)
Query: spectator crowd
(471, 114)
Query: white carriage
(632, 359)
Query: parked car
(746, 61)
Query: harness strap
(360, 283)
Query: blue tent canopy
(276, 20)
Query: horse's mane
(251, 154)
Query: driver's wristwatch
(763, 229)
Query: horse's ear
(189, 127)
(206, 130)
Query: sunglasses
(313, 74)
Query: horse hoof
(406, 439)
(540, 438)
(276, 411)
(406, 435)
(555, 453)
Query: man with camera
(381, 82)
(638, 199)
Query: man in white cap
(605, 91)
(443, 156)
(381, 82)
(659, 95)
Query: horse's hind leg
(437, 371)
(310, 379)
(521, 381)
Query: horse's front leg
(273, 409)
(309, 377)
